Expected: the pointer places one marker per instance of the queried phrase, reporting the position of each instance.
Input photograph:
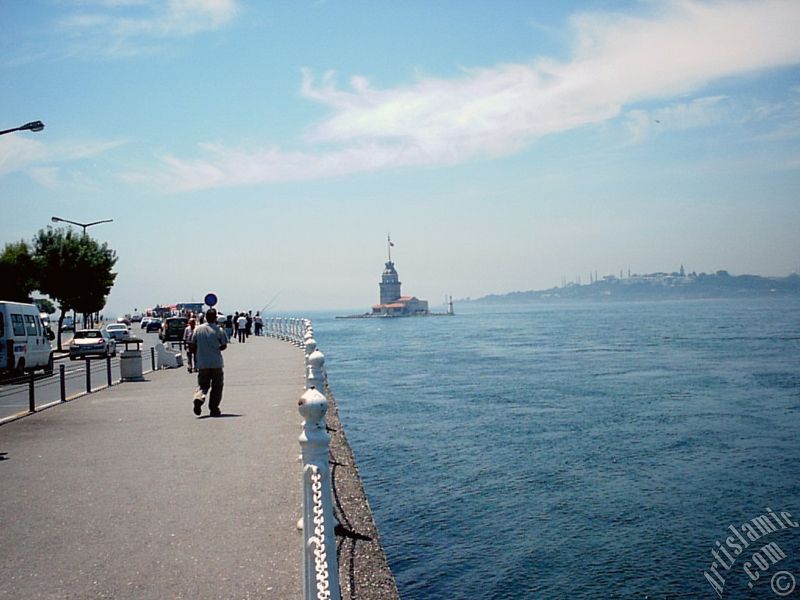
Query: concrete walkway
(126, 494)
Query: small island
(392, 302)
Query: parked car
(24, 341)
(172, 329)
(118, 331)
(92, 342)
(154, 324)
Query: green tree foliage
(45, 305)
(73, 269)
(17, 276)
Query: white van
(24, 343)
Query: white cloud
(237, 167)
(700, 112)
(17, 152)
(39, 159)
(49, 177)
(618, 61)
(126, 27)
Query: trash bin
(130, 360)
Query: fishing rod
(270, 303)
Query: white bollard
(310, 348)
(315, 377)
(320, 567)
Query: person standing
(259, 325)
(187, 338)
(208, 342)
(229, 326)
(241, 327)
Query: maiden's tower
(392, 302)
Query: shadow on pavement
(222, 416)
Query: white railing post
(315, 375)
(310, 348)
(320, 566)
(297, 334)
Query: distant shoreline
(658, 286)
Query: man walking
(208, 342)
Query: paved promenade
(124, 493)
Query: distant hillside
(660, 286)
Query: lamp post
(32, 126)
(84, 225)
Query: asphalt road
(14, 394)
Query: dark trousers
(211, 378)
(242, 335)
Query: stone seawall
(364, 572)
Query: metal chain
(318, 539)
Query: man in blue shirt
(207, 343)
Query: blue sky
(263, 149)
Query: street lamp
(84, 225)
(32, 126)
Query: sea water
(596, 450)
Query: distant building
(190, 307)
(170, 310)
(392, 303)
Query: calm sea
(576, 450)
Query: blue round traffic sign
(210, 299)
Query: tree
(74, 270)
(45, 305)
(17, 276)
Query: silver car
(92, 342)
(118, 331)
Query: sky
(263, 151)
